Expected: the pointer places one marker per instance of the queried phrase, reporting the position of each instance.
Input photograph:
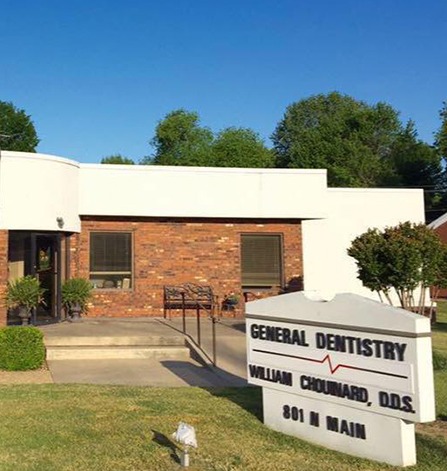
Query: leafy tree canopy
(117, 159)
(349, 138)
(441, 134)
(401, 259)
(240, 147)
(17, 131)
(415, 164)
(436, 195)
(180, 140)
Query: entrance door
(46, 266)
(40, 254)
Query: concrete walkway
(231, 356)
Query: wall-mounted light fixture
(60, 222)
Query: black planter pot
(25, 315)
(75, 313)
(229, 305)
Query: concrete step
(117, 352)
(122, 340)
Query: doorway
(40, 254)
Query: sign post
(350, 374)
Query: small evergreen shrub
(21, 348)
(439, 361)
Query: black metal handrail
(192, 297)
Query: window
(261, 258)
(111, 259)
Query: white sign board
(341, 428)
(350, 354)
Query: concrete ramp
(140, 352)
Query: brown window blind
(110, 252)
(261, 260)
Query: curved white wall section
(123, 190)
(36, 189)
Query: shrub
(439, 361)
(21, 348)
(24, 292)
(76, 291)
(401, 259)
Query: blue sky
(97, 76)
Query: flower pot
(75, 312)
(24, 314)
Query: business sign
(344, 355)
(341, 428)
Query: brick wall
(172, 252)
(3, 274)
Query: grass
(96, 428)
(79, 427)
(439, 336)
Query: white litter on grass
(185, 434)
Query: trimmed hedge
(21, 348)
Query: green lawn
(440, 328)
(57, 427)
(96, 428)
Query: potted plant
(230, 301)
(76, 292)
(25, 294)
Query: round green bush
(21, 348)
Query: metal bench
(189, 296)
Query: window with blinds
(261, 259)
(111, 259)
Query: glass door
(46, 266)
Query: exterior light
(60, 222)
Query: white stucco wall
(201, 192)
(327, 266)
(36, 189)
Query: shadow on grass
(440, 327)
(249, 399)
(219, 383)
(166, 442)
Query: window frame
(280, 237)
(132, 260)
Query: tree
(438, 194)
(117, 159)
(401, 258)
(441, 134)
(180, 140)
(349, 138)
(415, 164)
(17, 131)
(240, 147)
